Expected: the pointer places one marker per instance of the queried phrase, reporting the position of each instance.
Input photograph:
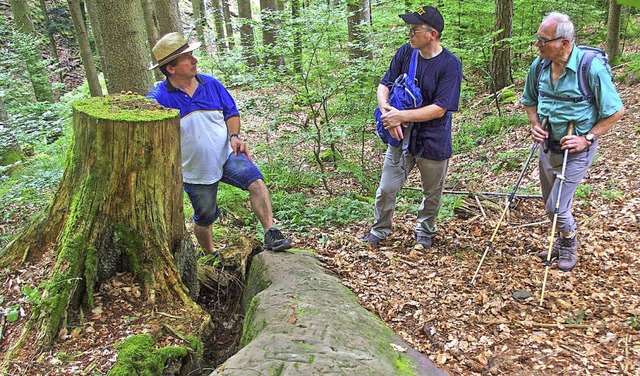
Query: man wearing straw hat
(212, 150)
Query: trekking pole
(555, 216)
(495, 231)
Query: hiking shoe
(275, 241)
(372, 240)
(555, 249)
(568, 254)
(425, 241)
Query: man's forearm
(604, 125)
(382, 96)
(532, 114)
(425, 113)
(233, 125)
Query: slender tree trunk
(118, 209)
(86, 54)
(152, 33)
(226, 14)
(357, 25)
(97, 33)
(218, 22)
(3, 112)
(247, 38)
(28, 44)
(127, 58)
(297, 37)
(168, 15)
(613, 30)
(501, 59)
(268, 13)
(200, 20)
(52, 41)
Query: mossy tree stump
(119, 208)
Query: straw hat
(170, 47)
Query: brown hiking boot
(568, 254)
(555, 249)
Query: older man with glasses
(552, 92)
(438, 76)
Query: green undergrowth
(469, 135)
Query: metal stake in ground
(555, 215)
(506, 207)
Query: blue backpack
(404, 95)
(583, 75)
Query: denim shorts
(238, 171)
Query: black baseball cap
(425, 15)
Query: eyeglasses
(544, 41)
(413, 32)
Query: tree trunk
(97, 33)
(28, 44)
(126, 56)
(85, 50)
(52, 41)
(119, 208)
(358, 25)
(226, 14)
(3, 112)
(268, 13)
(247, 37)
(218, 22)
(613, 30)
(500, 61)
(168, 16)
(152, 33)
(200, 20)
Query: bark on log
(119, 208)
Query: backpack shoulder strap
(413, 65)
(542, 64)
(583, 75)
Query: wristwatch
(234, 135)
(590, 137)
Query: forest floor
(589, 322)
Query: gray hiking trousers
(395, 170)
(550, 166)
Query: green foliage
(631, 72)
(299, 212)
(287, 175)
(449, 204)
(611, 194)
(509, 160)
(467, 135)
(576, 318)
(32, 295)
(634, 322)
(24, 70)
(583, 191)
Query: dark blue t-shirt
(439, 80)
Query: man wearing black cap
(210, 143)
(438, 75)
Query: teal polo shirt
(560, 113)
